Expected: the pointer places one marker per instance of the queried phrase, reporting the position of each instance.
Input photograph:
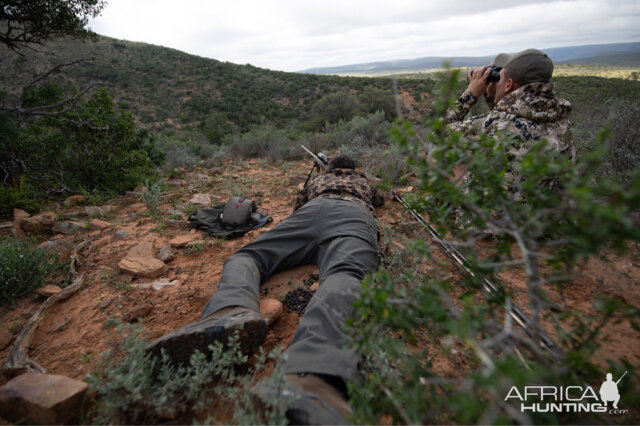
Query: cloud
(293, 35)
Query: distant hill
(167, 88)
(619, 54)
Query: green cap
(501, 60)
(530, 66)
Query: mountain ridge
(585, 54)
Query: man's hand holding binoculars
(479, 80)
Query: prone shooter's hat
(529, 66)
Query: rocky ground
(137, 264)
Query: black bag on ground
(237, 212)
(210, 220)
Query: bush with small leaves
(23, 268)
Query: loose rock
(42, 222)
(120, 235)
(69, 228)
(48, 290)
(139, 312)
(270, 309)
(141, 261)
(183, 240)
(76, 199)
(62, 247)
(99, 224)
(202, 199)
(165, 254)
(43, 399)
(19, 214)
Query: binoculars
(494, 75)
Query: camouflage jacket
(528, 114)
(341, 184)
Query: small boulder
(202, 199)
(183, 240)
(99, 224)
(48, 290)
(74, 200)
(314, 286)
(12, 229)
(141, 261)
(19, 214)
(165, 254)
(69, 227)
(42, 222)
(120, 234)
(37, 398)
(62, 247)
(98, 211)
(270, 309)
(138, 312)
(138, 207)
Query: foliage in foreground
(544, 218)
(23, 268)
(135, 388)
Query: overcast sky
(293, 35)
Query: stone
(74, 212)
(42, 222)
(63, 248)
(157, 285)
(120, 234)
(183, 240)
(48, 290)
(20, 214)
(98, 211)
(74, 200)
(165, 254)
(140, 189)
(270, 309)
(12, 229)
(36, 398)
(139, 312)
(69, 227)
(202, 199)
(141, 261)
(138, 207)
(99, 224)
(314, 286)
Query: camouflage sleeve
(461, 108)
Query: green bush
(411, 313)
(23, 268)
(139, 389)
(11, 198)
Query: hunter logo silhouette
(609, 390)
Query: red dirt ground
(71, 337)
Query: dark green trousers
(340, 237)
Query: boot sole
(182, 343)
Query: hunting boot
(180, 344)
(308, 398)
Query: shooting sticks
(520, 318)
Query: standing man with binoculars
(525, 106)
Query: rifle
(625, 373)
(319, 161)
(520, 318)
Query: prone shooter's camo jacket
(528, 114)
(341, 184)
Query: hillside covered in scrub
(104, 161)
